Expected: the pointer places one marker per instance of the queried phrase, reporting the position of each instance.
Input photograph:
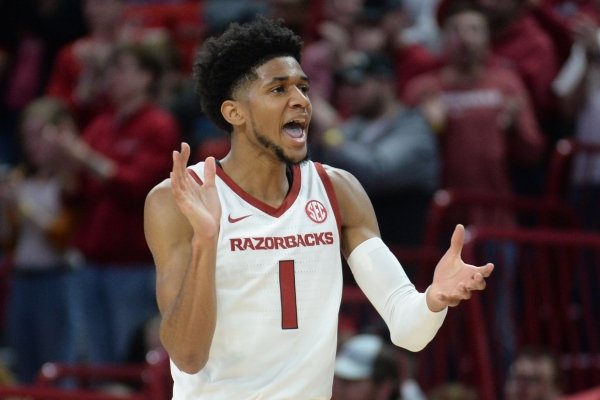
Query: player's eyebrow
(277, 79)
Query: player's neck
(262, 177)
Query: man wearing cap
(389, 147)
(367, 368)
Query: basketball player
(248, 248)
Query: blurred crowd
(410, 96)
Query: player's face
(279, 109)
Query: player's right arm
(181, 223)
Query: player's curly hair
(226, 61)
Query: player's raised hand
(453, 279)
(199, 203)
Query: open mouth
(295, 128)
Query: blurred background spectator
(453, 391)
(369, 367)
(36, 227)
(479, 110)
(387, 146)
(578, 89)
(31, 33)
(482, 114)
(119, 157)
(79, 71)
(533, 375)
(518, 40)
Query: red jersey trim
(276, 212)
(194, 175)
(330, 194)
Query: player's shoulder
(353, 201)
(344, 183)
(163, 186)
(162, 195)
(159, 194)
(340, 177)
(161, 212)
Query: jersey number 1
(287, 290)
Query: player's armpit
(359, 222)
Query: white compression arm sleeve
(404, 309)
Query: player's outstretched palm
(453, 279)
(199, 203)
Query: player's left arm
(413, 318)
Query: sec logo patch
(316, 211)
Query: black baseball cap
(364, 65)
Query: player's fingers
(478, 282)
(210, 170)
(185, 152)
(175, 169)
(183, 157)
(175, 185)
(178, 174)
(465, 292)
(486, 270)
(457, 240)
(176, 162)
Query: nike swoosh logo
(234, 220)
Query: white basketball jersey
(279, 287)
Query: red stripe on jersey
(287, 288)
(194, 175)
(331, 194)
(267, 209)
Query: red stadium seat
(5, 271)
(448, 208)
(592, 394)
(574, 177)
(148, 381)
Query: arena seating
(554, 290)
(148, 381)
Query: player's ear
(232, 112)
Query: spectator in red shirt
(120, 157)
(520, 42)
(482, 114)
(79, 70)
(76, 76)
(480, 110)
